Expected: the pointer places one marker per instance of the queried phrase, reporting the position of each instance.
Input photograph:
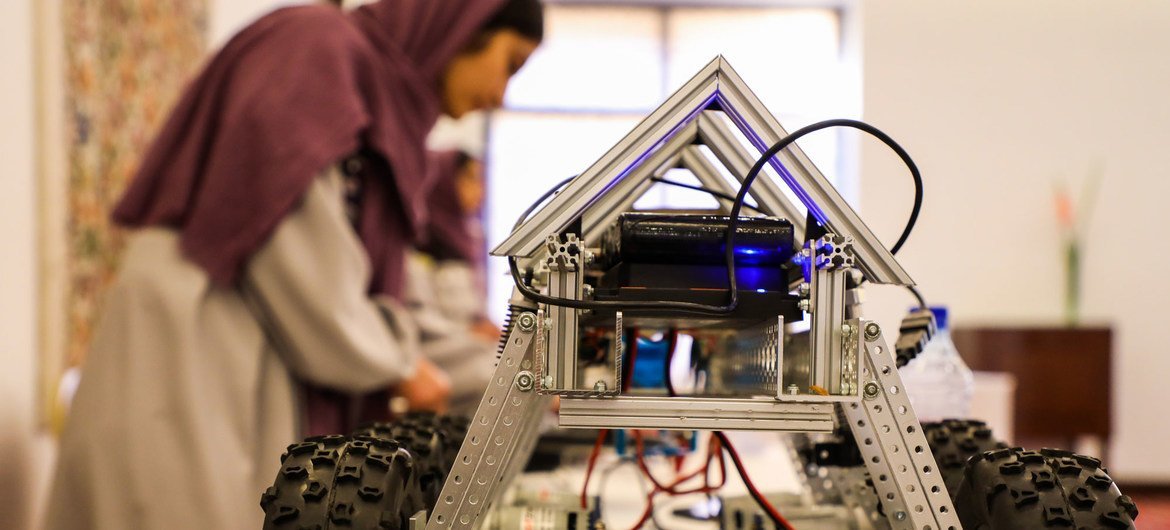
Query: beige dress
(185, 403)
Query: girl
(259, 293)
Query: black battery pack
(691, 239)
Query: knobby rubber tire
(339, 482)
(1016, 489)
(433, 439)
(954, 442)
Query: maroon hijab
(450, 231)
(287, 97)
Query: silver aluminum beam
(687, 413)
(624, 193)
(709, 176)
(715, 133)
(592, 187)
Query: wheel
(953, 442)
(433, 439)
(341, 482)
(1015, 489)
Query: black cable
(733, 221)
(918, 296)
(708, 191)
(531, 207)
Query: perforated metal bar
(495, 428)
(891, 441)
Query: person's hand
(428, 390)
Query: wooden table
(1063, 376)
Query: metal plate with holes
(503, 422)
(895, 451)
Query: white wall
(229, 16)
(20, 474)
(995, 100)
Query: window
(603, 68)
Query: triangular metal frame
(610, 185)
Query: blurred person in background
(446, 285)
(259, 297)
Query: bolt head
(872, 330)
(525, 381)
(804, 305)
(901, 516)
(599, 386)
(793, 390)
(871, 390)
(527, 322)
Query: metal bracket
(690, 413)
(499, 440)
(565, 280)
(890, 437)
(418, 521)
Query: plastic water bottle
(938, 382)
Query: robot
(773, 298)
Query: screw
(871, 390)
(524, 381)
(872, 330)
(587, 290)
(599, 386)
(527, 322)
(804, 305)
(901, 516)
(846, 330)
(546, 382)
(793, 390)
(805, 287)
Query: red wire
(589, 468)
(713, 451)
(772, 512)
